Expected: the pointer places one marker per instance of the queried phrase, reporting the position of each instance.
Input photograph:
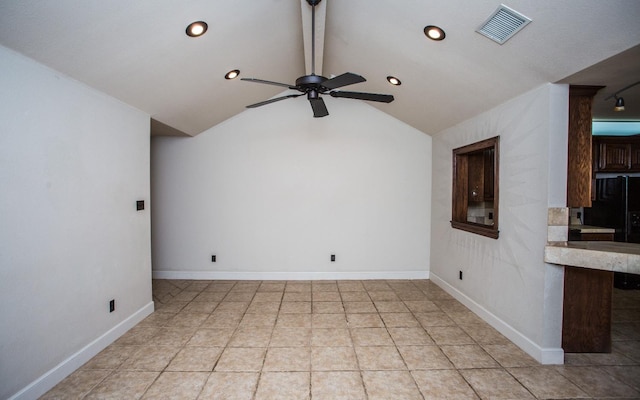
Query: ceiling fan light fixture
(233, 74)
(197, 28)
(619, 104)
(393, 80)
(434, 32)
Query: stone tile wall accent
(558, 224)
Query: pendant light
(619, 100)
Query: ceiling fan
(314, 85)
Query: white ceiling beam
(321, 13)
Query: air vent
(503, 24)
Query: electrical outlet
(139, 205)
(333, 258)
(460, 275)
(112, 305)
(213, 258)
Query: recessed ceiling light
(197, 28)
(433, 32)
(232, 74)
(393, 80)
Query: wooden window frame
(460, 197)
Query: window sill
(483, 230)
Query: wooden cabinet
(481, 176)
(613, 157)
(489, 162)
(476, 177)
(616, 153)
(634, 155)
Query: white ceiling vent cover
(503, 24)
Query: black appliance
(617, 206)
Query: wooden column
(579, 152)
(586, 321)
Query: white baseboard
(54, 376)
(541, 354)
(289, 276)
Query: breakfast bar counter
(588, 287)
(605, 256)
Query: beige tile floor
(339, 340)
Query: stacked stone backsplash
(558, 224)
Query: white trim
(541, 354)
(289, 276)
(55, 375)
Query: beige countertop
(591, 229)
(607, 256)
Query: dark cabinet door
(476, 177)
(614, 157)
(634, 155)
(489, 161)
(616, 153)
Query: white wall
(506, 280)
(73, 162)
(273, 192)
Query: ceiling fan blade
(319, 108)
(269, 83)
(342, 80)
(382, 98)
(262, 103)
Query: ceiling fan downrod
(313, 4)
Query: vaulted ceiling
(138, 52)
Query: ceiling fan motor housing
(310, 82)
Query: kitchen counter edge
(602, 255)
